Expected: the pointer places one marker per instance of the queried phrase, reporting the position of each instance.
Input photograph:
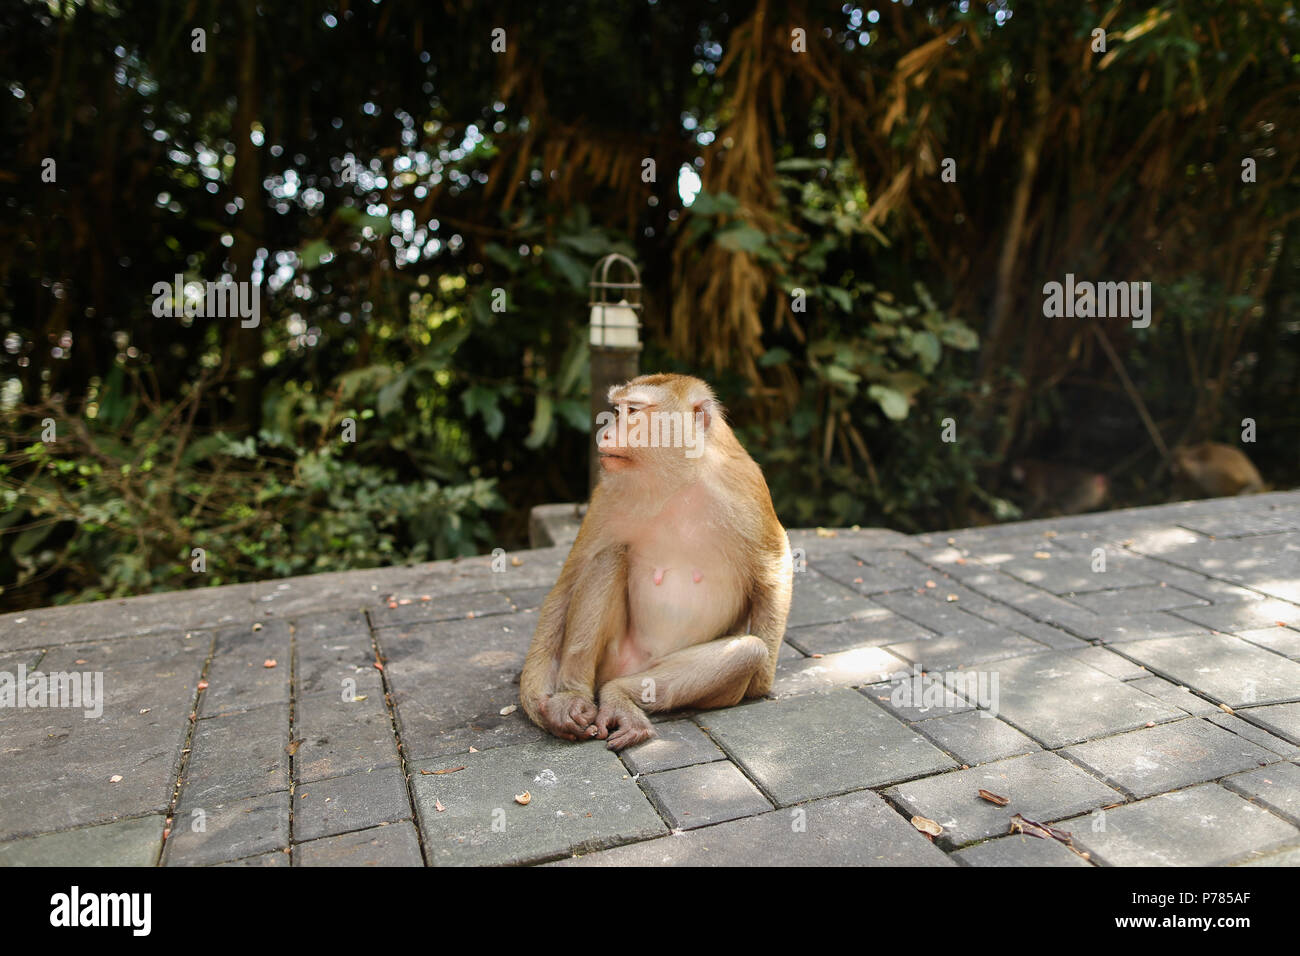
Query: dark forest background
(379, 168)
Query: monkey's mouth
(606, 456)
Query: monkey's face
(656, 431)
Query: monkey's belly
(671, 608)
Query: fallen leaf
(437, 805)
(927, 826)
(404, 601)
(293, 746)
(203, 685)
(508, 710)
(425, 597)
(952, 597)
(256, 626)
(435, 773)
(392, 605)
(269, 663)
(931, 584)
(516, 561)
(523, 799)
(1226, 709)
(116, 778)
(145, 710)
(826, 533)
(1041, 830)
(79, 661)
(991, 797)
(357, 700)
(378, 666)
(1042, 555)
(473, 750)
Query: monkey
(1216, 470)
(677, 589)
(1060, 489)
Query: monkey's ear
(705, 410)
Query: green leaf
(800, 163)
(742, 237)
(708, 204)
(543, 420)
(840, 296)
(313, 252)
(959, 335)
(927, 349)
(772, 357)
(567, 266)
(892, 403)
(484, 401)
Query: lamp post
(615, 340)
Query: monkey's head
(661, 428)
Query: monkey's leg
(597, 612)
(715, 674)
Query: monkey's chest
(678, 597)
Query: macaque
(1217, 470)
(1059, 489)
(677, 589)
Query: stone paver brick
(1280, 719)
(1153, 760)
(914, 696)
(275, 858)
(976, 737)
(1119, 629)
(1201, 826)
(124, 843)
(857, 829)
(1281, 640)
(876, 626)
(442, 607)
(680, 743)
(823, 744)
(1276, 787)
(228, 831)
(706, 793)
(1059, 700)
(819, 600)
(392, 845)
(352, 802)
(1256, 735)
(1244, 617)
(341, 737)
(863, 665)
(239, 755)
(1175, 695)
(1041, 786)
(238, 678)
(581, 798)
(1019, 850)
(1289, 857)
(986, 645)
(1224, 668)
(1137, 600)
(858, 574)
(1108, 662)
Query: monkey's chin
(614, 463)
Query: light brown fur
(1217, 470)
(677, 589)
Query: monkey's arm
(769, 609)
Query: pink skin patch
(697, 575)
(659, 575)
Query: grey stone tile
(787, 652)
(1041, 786)
(1280, 640)
(1019, 850)
(1201, 826)
(1072, 574)
(442, 607)
(240, 755)
(933, 613)
(876, 626)
(697, 796)
(1059, 700)
(1176, 695)
(581, 798)
(857, 829)
(976, 737)
(1280, 719)
(528, 599)
(392, 845)
(352, 802)
(238, 678)
(1224, 668)
(340, 738)
(864, 665)
(451, 681)
(1276, 787)
(1108, 662)
(983, 646)
(1261, 738)
(1152, 760)
(822, 744)
(819, 600)
(1288, 857)
(679, 743)
(1248, 616)
(1132, 627)
(857, 574)
(1240, 525)
(228, 831)
(914, 696)
(124, 843)
(334, 655)
(275, 858)
(1138, 600)
(1047, 634)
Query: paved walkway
(1130, 677)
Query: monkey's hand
(569, 715)
(620, 720)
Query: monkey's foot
(622, 722)
(570, 715)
